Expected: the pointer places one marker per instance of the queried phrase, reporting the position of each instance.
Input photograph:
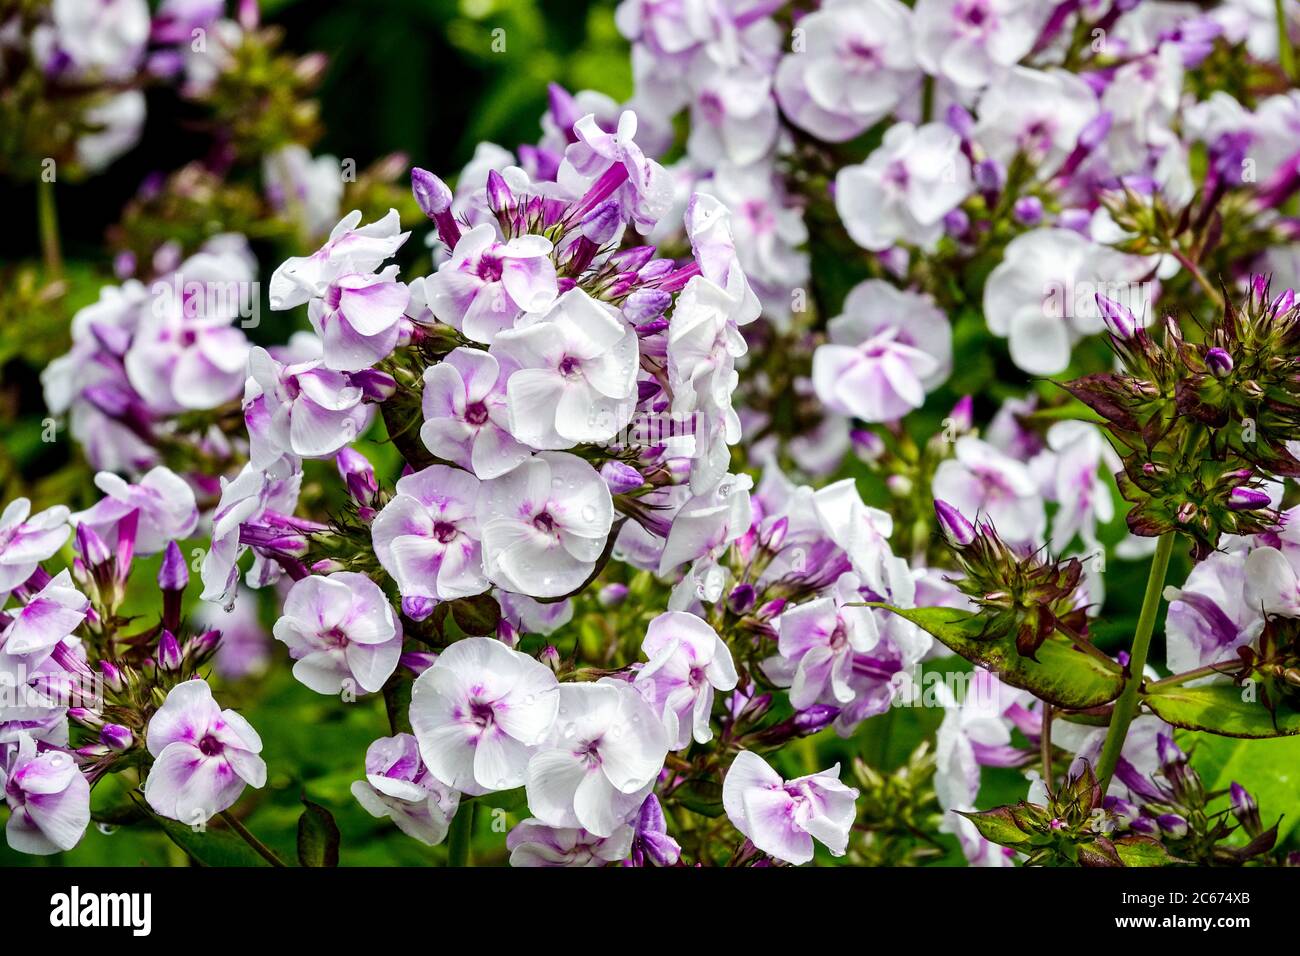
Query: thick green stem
(48, 219)
(1285, 52)
(262, 850)
(1126, 706)
(462, 830)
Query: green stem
(462, 829)
(1285, 52)
(262, 850)
(48, 218)
(1126, 706)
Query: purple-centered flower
(687, 663)
(359, 318)
(574, 374)
(970, 41)
(602, 164)
(350, 249)
(544, 525)
(1210, 616)
(341, 632)
(304, 409)
(399, 786)
(427, 536)
(534, 843)
(26, 540)
(984, 484)
(887, 349)
(34, 630)
(162, 503)
(603, 755)
(466, 415)
(48, 798)
(781, 818)
(203, 756)
(480, 712)
(487, 284)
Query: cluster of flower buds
(1022, 594)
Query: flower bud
(499, 196)
(174, 575)
(621, 478)
(116, 737)
(1173, 825)
(774, 537)
(92, 547)
(1119, 320)
(417, 662)
(1028, 210)
(612, 595)
(741, 598)
(1218, 362)
(953, 524)
(418, 608)
(432, 194)
(1245, 809)
(815, 718)
(602, 223)
(358, 474)
(867, 445)
(1244, 498)
(169, 652)
(956, 223)
(550, 656)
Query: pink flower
(688, 661)
(533, 843)
(781, 818)
(427, 536)
(203, 756)
(487, 284)
(162, 502)
(466, 416)
(35, 629)
(26, 540)
(341, 631)
(399, 786)
(49, 799)
(359, 319)
(305, 409)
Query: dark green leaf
(1138, 850)
(318, 836)
(209, 847)
(1063, 675)
(478, 615)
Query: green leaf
(701, 796)
(1268, 769)
(1063, 675)
(1138, 850)
(478, 615)
(1219, 709)
(998, 826)
(318, 836)
(209, 847)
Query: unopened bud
(174, 574)
(953, 524)
(1118, 318)
(1247, 499)
(169, 652)
(116, 737)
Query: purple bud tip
(550, 656)
(601, 224)
(169, 652)
(417, 662)
(867, 445)
(646, 305)
(1029, 210)
(375, 385)
(173, 575)
(774, 537)
(1173, 824)
(433, 195)
(1118, 318)
(741, 598)
(612, 595)
(563, 107)
(1247, 499)
(499, 196)
(1169, 753)
(960, 121)
(956, 223)
(989, 175)
(953, 524)
(1242, 802)
(963, 414)
(92, 547)
(815, 718)
(1218, 362)
(418, 608)
(112, 675)
(116, 737)
(621, 478)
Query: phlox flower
(466, 414)
(162, 502)
(534, 843)
(887, 349)
(528, 616)
(969, 41)
(905, 188)
(340, 631)
(304, 409)
(33, 630)
(350, 249)
(733, 114)
(359, 318)
(305, 187)
(1036, 112)
(600, 164)
(487, 284)
(544, 525)
(48, 798)
(399, 786)
(782, 818)
(427, 536)
(1210, 616)
(1069, 473)
(104, 41)
(575, 378)
(688, 661)
(603, 755)
(480, 712)
(974, 733)
(26, 540)
(203, 756)
(856, 66)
